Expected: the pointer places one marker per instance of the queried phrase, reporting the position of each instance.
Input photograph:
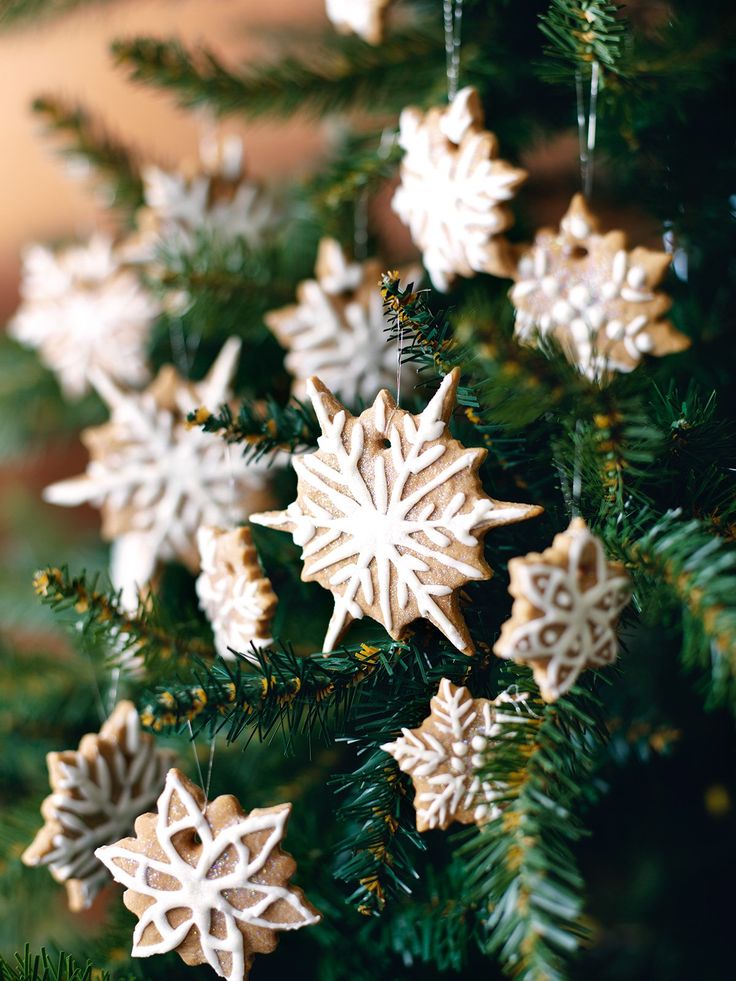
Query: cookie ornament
(362, 17)
(98, 792)
(596, 298)
(567, 602)
(84, 310)
(390, 514)
(444, 754)
(336, 330)
(453, 190)
(207, 880)
(156, 479)
(233, 591)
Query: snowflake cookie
(390, 514)
(234, 593)
(98, 792)
(452, 190)
(362, 17)
(156, 479)
(567, 601)
(208, 880)
(84, 311)
(336, 330)
(444, 754)
(218, 201)
(598, 300)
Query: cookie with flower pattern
(595, 297)
(567, 601)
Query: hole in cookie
(578, 252)
(196, 839)
(386, 443)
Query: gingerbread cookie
(208, 880)
(156, 479)
(234, 593)
(567, 602)
(453, 190)
(337, 328)
(598, 300)
(98, 791)
(365, 18)
(391, 514)
(444, 754)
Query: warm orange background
(68, 56)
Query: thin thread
(178, 341)
(209, 770)
(399, 352)
(582, 125)
(96, 688)
(197, 763)
(595, 74)
(114, 687)
(577, 474)
(360, 226)
(452, 16)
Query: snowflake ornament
(208, 880)
(84, 311)
(336, 330)
(390, 514)
(453, 188)
(567, 602)
(444, 754)
(595, 297)
(98, 792)
(156, 479)
(362, 17)
(234, 593)
(217, 202)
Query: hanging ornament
(83, 310)
(98, 792)
(443, 757)
(207, 880)
(156, 479)
(453, 188)
(234, 593)
(216, 202)
(366, 18)
(390, 514)
(337, 328)
(567, 602)
(598, 300)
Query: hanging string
(452, 14)
(577, 473)
(205, 785)
(587, 125)
(360, 226)
(114, 688)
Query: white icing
(201, 889)
(571, 636)
(83, 311)
(452, 187)
(376, 528)
(174, 477)
(96, 801)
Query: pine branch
(100, 620)
(520, 867)
(580, 32)
(309, 693)
(18, 12)
(694, 572)
(86, 139)
(41, 967)
(263, 427)
(336, 74)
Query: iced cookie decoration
(391, 514)
(567, 601)
(236, 596)
(98, 791)
(156, 479)
(215, 200)
(596, 298)
(454, 190)
(84, 310)
(362, 17)
(337, 327)
(208, 880)
(444, 755)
